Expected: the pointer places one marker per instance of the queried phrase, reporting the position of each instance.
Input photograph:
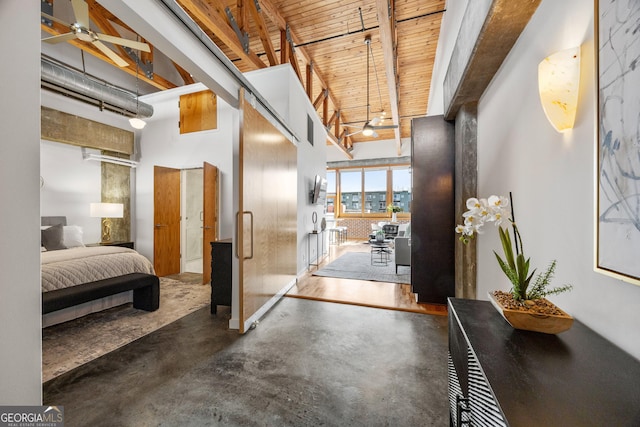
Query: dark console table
(499, 376)
(220, 274)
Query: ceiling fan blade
(354, 133)
(81, 12)
(59, 38)
(386, 127)
(53, 18)
(111, 54)
(124, 42)
(375, 121)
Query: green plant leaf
(507, 247)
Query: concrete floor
(307, 363)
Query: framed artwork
(618, 138)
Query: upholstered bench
(146, 292)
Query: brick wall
(360, 228)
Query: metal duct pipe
(77, 83)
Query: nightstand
(129, 245)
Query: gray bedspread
(70, 267)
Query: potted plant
(379, 235)
(525, 306)
(394, 209)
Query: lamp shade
(558, 83)
(137, 123)
(106, 210)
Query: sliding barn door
(267, 214)
(210, 217)
(166, 221)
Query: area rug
(71, 344)
(357, 265)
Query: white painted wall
(70, 185)
(162, 145)
(551, 175)
(282, 89)
(20, 301)
(449, 28)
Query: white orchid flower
(473, 203)
(498, 202)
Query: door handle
(238, 232)
(161, 225)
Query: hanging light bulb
(137, 123)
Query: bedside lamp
(106, 211)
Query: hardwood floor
(391, 296)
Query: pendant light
(136, 122)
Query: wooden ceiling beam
(309, 85)
(293, 60)
(333, 140)
(241, 15)
(331, 121)
(284, 47)
(214, 21)
(186, 76)
(325, 107)
(386, 19)
(157, 81)
(320, 98)
(263, 31)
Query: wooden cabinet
(432, 209)
(221, 254)
(500, 376)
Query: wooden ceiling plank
(388, 43)
(276, 17)
(219, 26)
(263, 31)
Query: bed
(79, 280)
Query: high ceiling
(324, 40)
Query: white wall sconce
(559, 83)
(106, 211)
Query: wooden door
(267, 218)
(210, 217)
(166, 220)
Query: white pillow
(72, 236)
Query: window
(368, 191)
(350, 189)
(401, 178)
(375, 188)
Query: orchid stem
(516, 234)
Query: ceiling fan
(80, 30)
(370, 126)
